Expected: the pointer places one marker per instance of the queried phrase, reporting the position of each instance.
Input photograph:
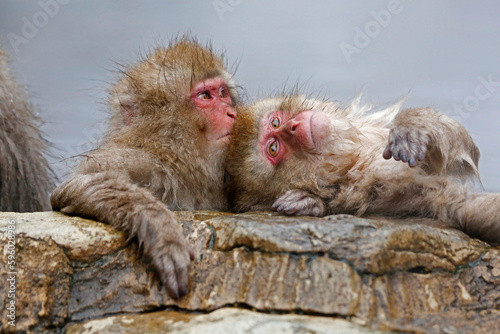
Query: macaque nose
(298, 132)
(231, 112)
(291, 126)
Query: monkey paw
(172, 262)
(300, 203)
(407, 144)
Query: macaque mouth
(319, 128)
(307, 127)
(227, 135)
(311, 132)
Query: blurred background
(444, 54)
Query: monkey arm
(110, 197)
(441, 144)
(440, 197)
(478, 215)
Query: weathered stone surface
(41, 285)
(410, 275)
(82, 239)
(378, 246)
(227, 320)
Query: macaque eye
(273, 148)
(275, 123)
(204, 95)
(223, 93)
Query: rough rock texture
(343, 274)
(226, 320)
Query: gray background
(437, 53)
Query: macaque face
(277, 145)
(211, 97)
(283, 133)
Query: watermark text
(31, 25)
(363, 37)
(484, 89)
(223, 6)
(11, 273)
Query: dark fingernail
(387, 153)
(174, 294)
(183, 291)
(412, 162)
(403, 158)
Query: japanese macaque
(307, 157)
(26, 179)
(172, 118)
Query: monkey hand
(407, 144)
(166, 247)
(300, 203)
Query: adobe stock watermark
(223, 6)
(363, 37)
(31, 26)
(483, 91)
(10, 251)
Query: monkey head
(283, 143)
(182, 92)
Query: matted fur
(348, 173)
(26, 179)
(155, 157)
(260, 183)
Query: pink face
(211, 98)
(281, 134)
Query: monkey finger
(292, 209)
(396, 152)
(280, 207)
(289, 198)
(168, 277)
(387, 153)
(413, 158)
(283, 200)
(182, 273)
(284, 206)
(276, 205)
(422, 153)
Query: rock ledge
(253, 273)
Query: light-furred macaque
(172, 118)
(307, 157)
(26, 179)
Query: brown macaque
(26, 179)
(172, 118)
(307, 157)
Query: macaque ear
(124, 100)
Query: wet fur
(154, 158)
(26, 179)
(349, 174)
